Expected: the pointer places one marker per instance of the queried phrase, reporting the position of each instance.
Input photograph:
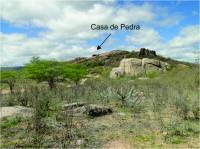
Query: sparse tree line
(49, 71)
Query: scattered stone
(97, 76)
(83, 80)
(79, 142)
(121, 114)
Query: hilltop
(113, 58)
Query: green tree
(44, 70)
(9, 77)
(75, 72)
(53, 71)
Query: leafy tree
(9, 77)
(53, 71)
(75, 72)
(44, 70)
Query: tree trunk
(11, 86)
(51, 84)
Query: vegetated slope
(165, 116)
(113, 58)
(161, 112)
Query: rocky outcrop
(136, 67)
(16, 110)
(147, 53)
(165, 66)
(131, 66)
(150, 65)
(79, 109)
(117, 72)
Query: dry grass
(164, 117)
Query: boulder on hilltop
(131, 66)
(136, 67)
(147, 53)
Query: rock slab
(79, 109)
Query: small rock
(78, 109)
(116, 72)
(79, 142)
(143, 78)
(96, 110)
(121, 114)
(83, 80)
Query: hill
(113, 58)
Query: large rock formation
(147, 53)
(136, 67)
(117, 72)
(131, 66)
(150, 65)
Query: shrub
(9, 77)
(153, 74)
(178, 131)
(122, 91)
(9, 122)
(195, 108)
(41, 108)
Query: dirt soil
(118, 144)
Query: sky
(61, 29)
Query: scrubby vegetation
(162, 111)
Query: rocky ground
(10, 111)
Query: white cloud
(181, 47)
(66, 19)
(17, 49)
(147, 37)
(188, 36)
(67, 25)
(169, 21)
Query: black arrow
(99, 46)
